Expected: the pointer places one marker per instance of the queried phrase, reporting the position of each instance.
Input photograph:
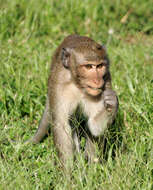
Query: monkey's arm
(100, 121)
(105, 117)
(43, 126)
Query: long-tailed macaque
(79, 76)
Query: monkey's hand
(110, 101)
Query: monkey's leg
(43, 126)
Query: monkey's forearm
(111, 104)
(105, 115)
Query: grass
(30, 31)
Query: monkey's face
(88, 64)
(91, 75)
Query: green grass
(30, 31)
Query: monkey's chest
(92, 109)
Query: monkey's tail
(43, 126)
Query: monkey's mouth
(93, 91)
(99, 89)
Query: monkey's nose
(96, 81)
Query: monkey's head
(88, 64)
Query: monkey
(79, 76)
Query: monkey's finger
(111, 100)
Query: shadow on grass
(113, 139)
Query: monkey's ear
(100, 47)
(65, 57)
(105, 48)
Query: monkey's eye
(88, 66)
(100, 66)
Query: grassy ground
(30, 31)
